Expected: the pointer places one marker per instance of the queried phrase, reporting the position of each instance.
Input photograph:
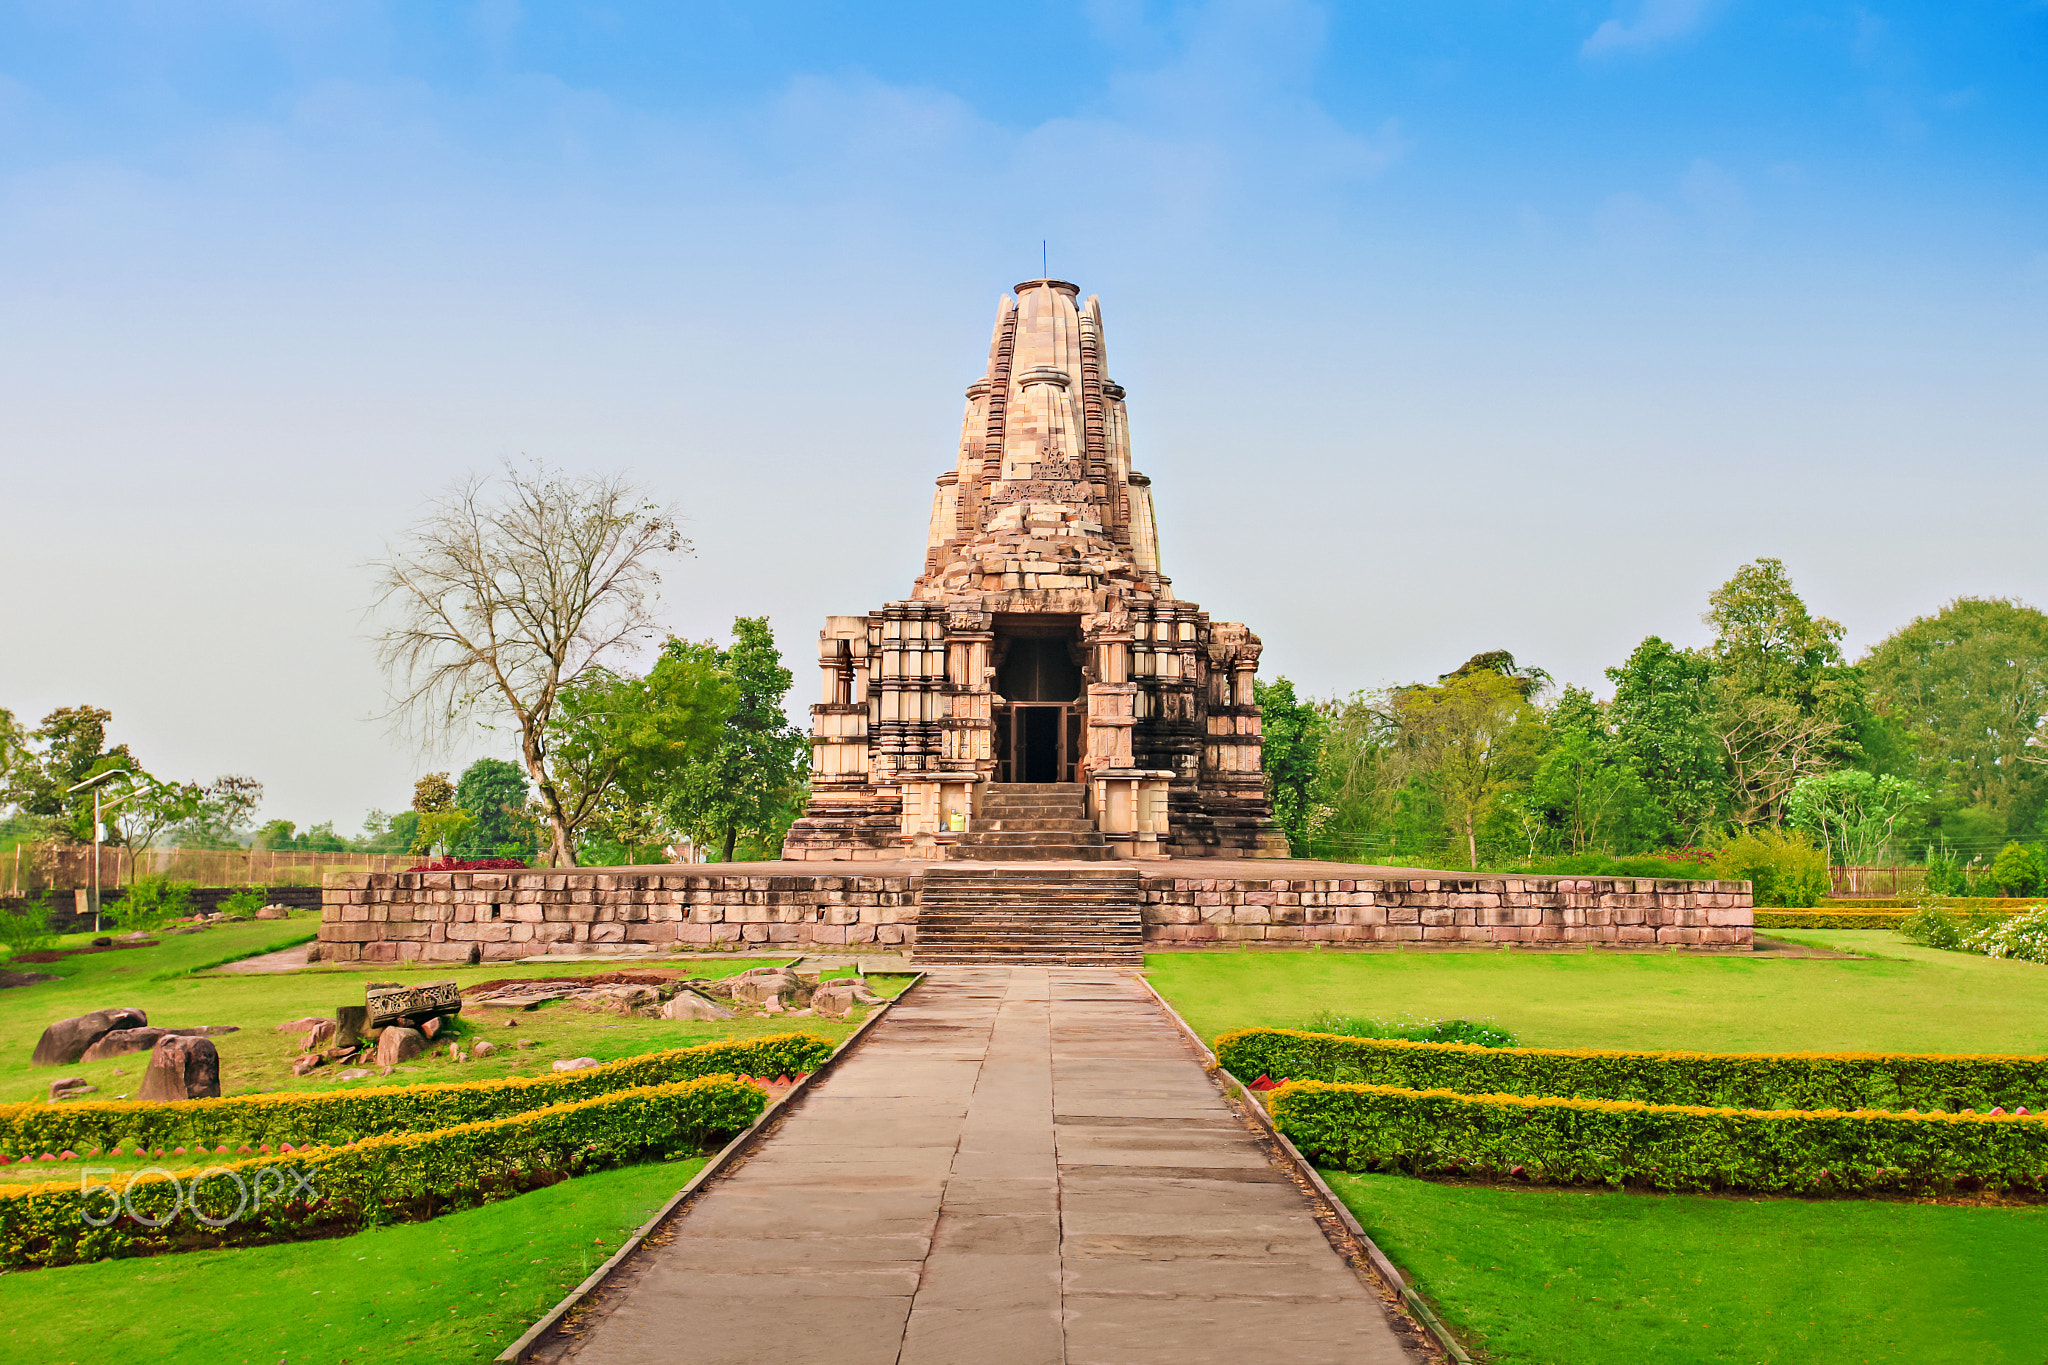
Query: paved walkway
(1016, 1167)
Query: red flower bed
(471, 865)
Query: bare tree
(511, 588)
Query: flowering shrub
(2023, 936)
(472, 865)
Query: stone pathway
(1016, 1167)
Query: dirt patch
(59, 954)
(650, 977)
(10, 979)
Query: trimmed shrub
(1471, 1031)
(403, 1177)
(1830, 919)
(1739, 1080)
(331, 1117)
(1667, 1147)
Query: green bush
(1739, 1080)
(400, 1177)
(1829, 919)
(2016, 871)
(1607, 865)
(244, 904)
(1413, 1030)
(1668, 1147)
(1781, 867)
(150, 903)
(335, 1116)
(2024, 937)
(29, 929)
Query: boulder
(351, 1023)
(125, 1040)
(354, 1073)
(71, 1086)
(65, 1041)
(103, 942)
(431, 1027)
(319, 1036)
(299, 1025)
(398, 1044)
(181, 1068)
(838, 997)
(576, 1063)
(302, 1065)
(763, 984)
(690, 1005)
(273, 912)
(484, 1049)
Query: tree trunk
(562, 850)
(1471, 842)
(732, 837)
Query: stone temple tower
(1041, 655)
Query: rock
(338, 1054)
(351, 1023)
(70, 1086)
(432, 1027)
(511, 1023)
(65, 1041)
(839, 996)
(302, 1065)
(397, 1044)
(763, 984)
(181, 1068)
(354, 1073)
(319, 1035)
(300, 1025)
(690, 1005)
(576, 1063)
(273, 912)
(483, 1050)
(772, 1005)
(125, 1040)
(103, 942)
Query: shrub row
(1668, 1147)
(1737, 1080)
(1829, 919)
(398, 1178)
(336, 1116)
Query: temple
(1041, 693)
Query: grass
(1909, 999)
(160, 980)
(1568, 1277)
(458, 1289)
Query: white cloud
(1658, 22)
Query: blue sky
(1446, 327)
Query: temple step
(1072, 917)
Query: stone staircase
(1031, 916)
(1032, 821)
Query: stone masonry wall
(1197, 911)
(484, 916)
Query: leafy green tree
(1852, 812)
(2016, 871)
(1467, 734)
(1661, 714)
(274, 834)
(1361, 770)
(67, 748)
(623, 746)
(229, 803)
(1291, 753)
(1786, 706)
(442, 824)
(494, 794)
(1968, 686)
(749, 781)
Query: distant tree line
(1929, 748)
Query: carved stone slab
(387, 1002)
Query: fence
(1876, 883)
(63, 867)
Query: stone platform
(808, 906)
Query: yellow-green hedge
(395, 1178)
(331, 1117)
(1672, 1147)
(1829, 919)
(1737, 1080)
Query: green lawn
(1909, 1000)
(1568, 1277)
(460, 1288)
(258, 1057)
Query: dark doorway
(1038, 742)
(1038, 668)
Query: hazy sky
(1446, 327)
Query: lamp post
(97, 830)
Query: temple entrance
(1039, 728)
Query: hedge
(1829, 919)
(1667, 1147)
(336, 1116)
(397, 1178)
(1738, 1080)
